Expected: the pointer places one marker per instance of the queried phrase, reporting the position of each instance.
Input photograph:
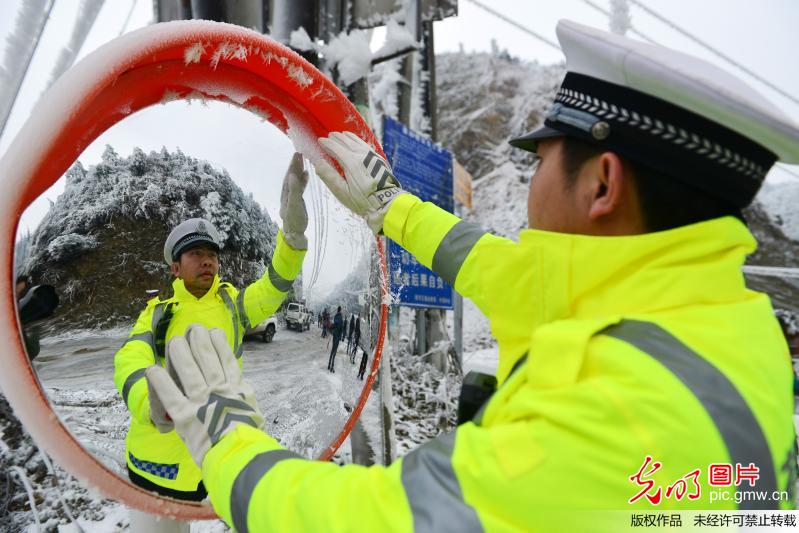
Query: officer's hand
(158, 415)
(292, 206)
(216, 400)
(369, 187)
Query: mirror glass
(89, 256)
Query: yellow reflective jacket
(162, 457)
(636, 346)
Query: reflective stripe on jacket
(636, 346)
(162, 457)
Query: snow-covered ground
(304, 405)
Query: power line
(516, 24)
(712, 49)
(608, 14)
(770, 271)
(647, 38)
(661, 18)
(718, 53)
(127, 18)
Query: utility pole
(435, 328)
(413, 23)
(331, 20)
(289, 15)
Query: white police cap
(188, 234)
(684, 116)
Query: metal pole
(289, 15)
(362, 449)
(421, 331)
(458, 318)
(391, 348)
(413, 23)
(429, 84)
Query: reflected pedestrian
(325, 322)
(356, 338)
(349, 339)
(362, 368)
(338, 332)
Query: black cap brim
(195, 243)
(530, 141)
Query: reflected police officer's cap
(187, 235)
(669, 111)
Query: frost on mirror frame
(97, 238)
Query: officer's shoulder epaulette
(152, 296)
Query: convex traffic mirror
(176, 121)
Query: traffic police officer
(634, 362)
(156, 458)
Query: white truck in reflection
(297, 317)
(266, 329)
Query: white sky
(760, 35)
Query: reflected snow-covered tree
(101, 243)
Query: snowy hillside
(769, 219)
(101, 243)
(484, 100)
(780, 203)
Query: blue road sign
(425, 170)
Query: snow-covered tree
(101, 243)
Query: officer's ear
(611, 186)
(175, 268)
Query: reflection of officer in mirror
(156, 458)
(626, 331)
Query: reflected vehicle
(98, 235)
(265, 330)
(298, 317)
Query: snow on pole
(87, 14)
(20, 47)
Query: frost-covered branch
(20, 47)
(87, 14)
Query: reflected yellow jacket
(636, 346)
(162, 457)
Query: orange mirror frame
(157, 64)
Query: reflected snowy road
(304, 405)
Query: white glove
(217, 399)
(369, 187)
(158, 413)
(292, 206)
